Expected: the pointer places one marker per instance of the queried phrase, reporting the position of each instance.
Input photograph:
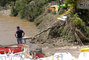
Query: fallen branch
(81, 34)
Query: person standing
(19, 34)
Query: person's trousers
(19, 41)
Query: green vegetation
(4, 2)
(78, 22)
(74, 2)
(83, 14)
(29, 9)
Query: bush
(13, 11)
(78, 22)
(83, 14)
(4, 2)
(26, 9)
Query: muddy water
(8, 28)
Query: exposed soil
(49, 50)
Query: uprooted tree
(72, 31)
